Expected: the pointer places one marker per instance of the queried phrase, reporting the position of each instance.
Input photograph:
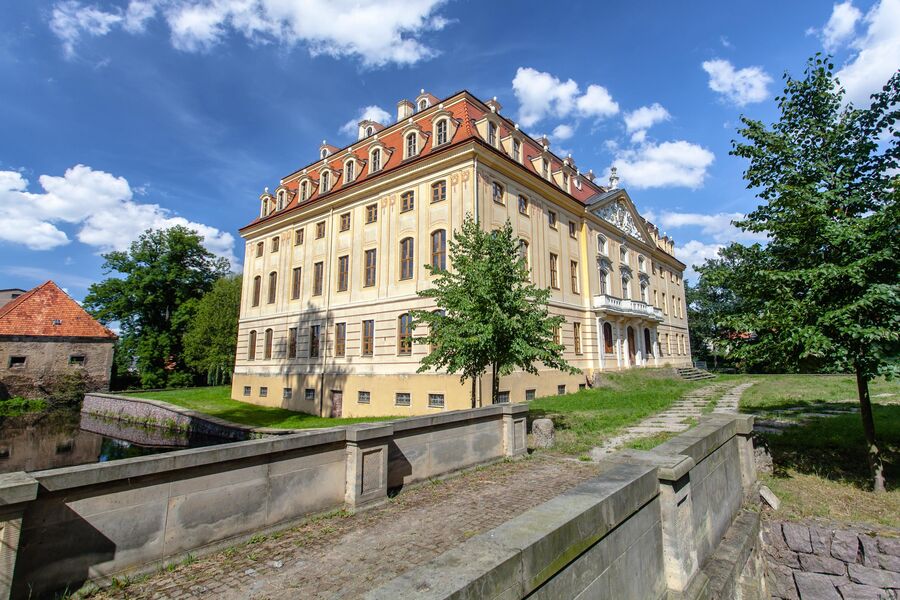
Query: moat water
(51, 440)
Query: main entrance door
(337, 403)
(631, 348)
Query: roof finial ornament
(324, 142)
(422, 91)
(266, 190)
(613, 178)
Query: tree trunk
(495, 384)
(865, 411)
(474, 381)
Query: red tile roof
(47, 311)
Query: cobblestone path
(345, 556)
(676, 418)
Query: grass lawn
(584, 419)
(820, 467)
(216, 401)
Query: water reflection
(68, 438)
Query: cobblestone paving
(675, 419)
(345, 556)
(813, 562)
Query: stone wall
(660, 524)
(92, 521)
(47, 357)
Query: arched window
(423, 104)
(411, 145)
(642, 266)
(257, 284)
(604, 282)
(369, 130)
(326, 181)
(523, 253)
(304, 194)
(601, 245)
(324, 153)
(404, 334)
(441, 132)
(273, 281)
(280, 199)
(376, 160)
(517, 150)
(644, 297)
(492, 134)
(607, 338)
(439, 250)
(348, 170)
(251, 346)
(267, 349)
(406, 258)
(626, 287)
(647, 345)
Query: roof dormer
(326, 150)
(425, 100)
(368, 128)
(266, 203)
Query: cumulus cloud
(875, 53)
(739, 86)
(694, 254)
(369, 113)
(840, 26)
(562, 132)
(541, 95)
(646, 117)
(377, 32)
(98, 205)
(717, 226)
(678, 163)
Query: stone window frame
(523, 205)
(257, 291)
(318, 277)
(309, 394)
(77, 360)
(561, 389)
(498, 192)
(340, 339)
(502, 397)
(363, 397)
(251, 344)
(370, 268)
(320, 230)
(371, 213)
(437, 400)
(248, 390)
(344, 221)
(407, 258)
(576, 332)
(272, 287)
(573, 275)
(552, 219)
(532, 393)
(407, 400)
(439, 250)
(296, 282)
(263, 391)
(439, 191)
(367, 345)
(404, 335)
(287, 393)
(554, 271)
(298, 236)
(343, 273)
(15, 362)
(268, 341)
(407, 201)
(260, 249)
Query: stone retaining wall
(93, 521)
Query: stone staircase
(693, 373)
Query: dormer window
(304, 192)
(441, 132)
(566, 181)
(545, 169)
(492, 134)
(369, 130)
(326, 181)
(280, 199)
(412, 145)
(375, 160)
(423, 104)
(349, 169)
(324, 153)
(516, 150)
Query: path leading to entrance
(679, 417)
(345, 556)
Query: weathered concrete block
(543, 432)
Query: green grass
(651, 441)
(16, 406)
(784, 391)
(216, 401)
(584, 419)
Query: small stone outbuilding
(46, 338)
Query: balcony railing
(632, 308)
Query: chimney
(405, 109)
(613, 179)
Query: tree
(166, 271)
(826, 286)
(211, 336)
(489, 313)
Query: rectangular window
(340, 339)
(287, 393)
(406, 258)
(492, 134)
(298, 237)
(363, 397)
(320, 230)
(257, 285)
(276, 244)
(369, 273)
(402, 399)
(263, 392)
(529, 395)
(523, 205)
(260, 248)
(313, 341)
(577, 333)
(439, 191)
(246, 390)
(371, 213)
(556, 335)
(404, 335)
(292, 342)
(435, 401)
(551, 219)
(273, 282)
(251, 346)
(368, 338)
(345, 221)
(407, 201)
(318, 271)
(573, 273)
(502, 398)
(497, 193)
(343, 278)
(309, 394)
(554, 276)
(296, 282)
(77, 360)
(561, 389)
(573, 229)
(517, 147)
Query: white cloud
(717, 226)
(562, 132)
(677, 163)
(740, 86)
(541, 95)
(369, 113)
(98, 205)
(377, 32)
(646, 117)
(876, 53)
(840, 26)
(694, 254)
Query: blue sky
(120, 115)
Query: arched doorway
(648, 347)
(631, 346)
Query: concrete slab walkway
(677, 418)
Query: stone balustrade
(631, 308)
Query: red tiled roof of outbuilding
(47, 311)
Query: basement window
(561, 389)
(263, 392)
(76, 360)
(246, 390)
(529, 395)
(16, 362)
(502, 398)
(435, 401)
(287, 393)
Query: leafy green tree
(164, 273)
(211, 336)
(489, 313)
(826, 285)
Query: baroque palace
(337, 254)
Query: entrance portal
(631, 347)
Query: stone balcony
(628, 308)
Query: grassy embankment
(820, 466)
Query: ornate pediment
(618, 214)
